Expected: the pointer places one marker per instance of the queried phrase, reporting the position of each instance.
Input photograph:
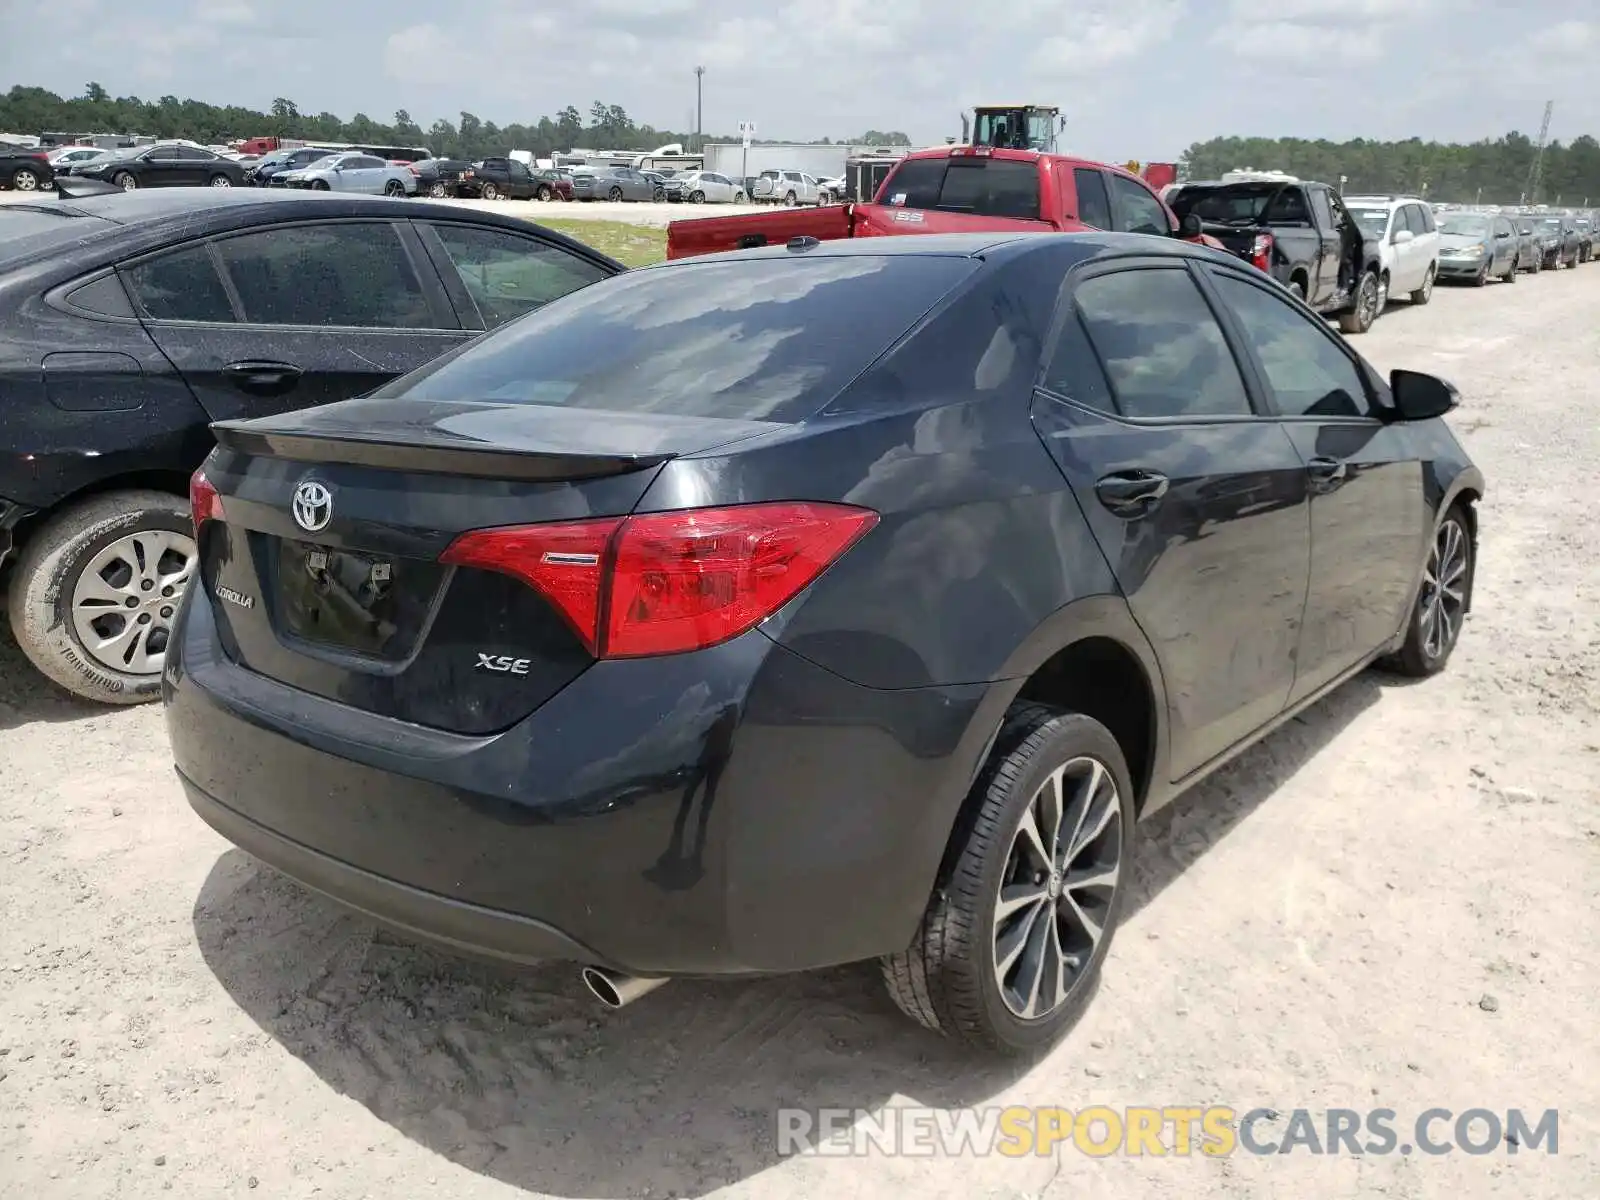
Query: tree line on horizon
(33, 110)
(1493, 171)
(1490, 172)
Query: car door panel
(290, 316)
(1368, 515)
(1203, 519)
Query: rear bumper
(734, 811)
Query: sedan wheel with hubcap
(1022, 916)
(1063, 869)
(221, 181)
(125, 181)
(1364, 311)
(1442, 600)
(1425, 293)
(97, 587)
(25, 180)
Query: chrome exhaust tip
(614, 989)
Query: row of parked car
(1348, 256)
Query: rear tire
(220, 181)
(489, 192)
(738, 198)
(543, 195)
(1434, 627)
(983, 980)
(615, 195)
(320, 185)
(1425, 293)
(437, 191)
(25, 179)
(697, 197)
(790, 200)
(394, 188)
(54, 566)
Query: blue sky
(1137, 78)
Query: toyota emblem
(313, 506)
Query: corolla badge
(313, 506)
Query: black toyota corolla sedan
(766, 611)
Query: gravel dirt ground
(1391, 902)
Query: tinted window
(990, 187)
(194, 153)
(354, 274)
(163, 154)
(1137, 210)
(1308, 373)
(755, 338)
(181, 286)
(1427, 218)
(1094, 208)
(105, 296)
(1320, 202)
(1162, 348)
(509, 275)
(1415, 220)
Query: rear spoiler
(431, 457)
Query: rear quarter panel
(714, 235)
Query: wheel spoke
(95, 594)
(1010, 945)
(1097, 819)
(1016, 898)
(1100, 875)
(1028, 833)
(1088, 924)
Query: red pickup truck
(958, 189)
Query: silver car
(362, 173)
(703, 187)
(612, 183)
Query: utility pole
(1536, 172)
(699, 111)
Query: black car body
(497, 179)
(436, 177)
(165, 164)
(1565, 245)
(684, 638)
(128, 322)
(266, 171)
(1301, 234)
(25, 168)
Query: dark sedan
(129, 322)
(24, 168)
(268, 170)
(437, 177)
(166, 164)
(1564, 245)
(859, 619)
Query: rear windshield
(988, 187)
(1242, 204)
(26, 230)
(771, 339)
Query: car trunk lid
(325, 573)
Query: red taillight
(204, 502)
(1261, 252)
(665, 583)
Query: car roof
(149, 218)
(991, 245)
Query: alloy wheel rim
(1444, 591)
(24, 181)
(1060, 880)
(126, 598)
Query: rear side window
(1093, 206)
(989, 187)
(355, 275)
(508, 275)
(181, 286)
(1416, 222)
(1161, 346)
(752, 339)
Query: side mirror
(1421, 397)
(1502, 235)
(1190, 226)
(1402, 236)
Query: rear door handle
(262, 378)
(1134, 493)
(1327, 470)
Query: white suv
(788, 188)
(1408, 243)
